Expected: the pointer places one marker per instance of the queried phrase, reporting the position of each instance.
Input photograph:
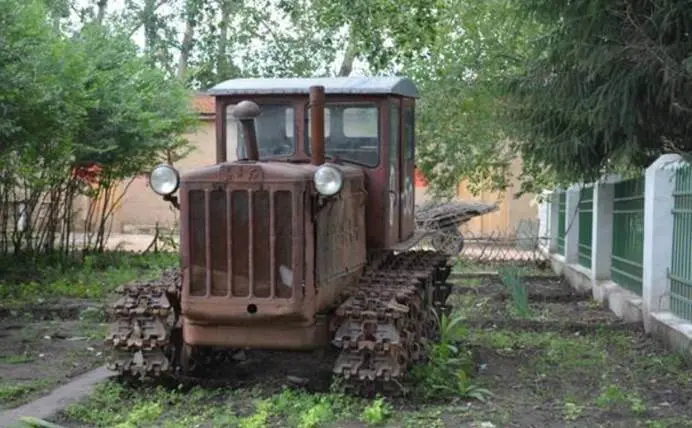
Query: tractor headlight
(164, 179)
(328, 180)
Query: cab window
(275, 129)
(351, 132)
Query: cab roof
(375, 85)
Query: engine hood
(249, 172)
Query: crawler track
(144, 336)
(381, 328)
(385, 323)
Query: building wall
(141, 208)
(512, 215)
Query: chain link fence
(518, 245)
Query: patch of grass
(572, 411)
(613, 396)
(114, 405)
(16, 359)
(475, 266)
(376, 413)
(90, 276)
(15, 393)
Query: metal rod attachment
(317, 124)
(246, 112)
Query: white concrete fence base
(652, 307)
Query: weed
(613, 395)
(258, 419)
(511, 279)
(572, 411)
(449, 367)
(16, 392)
(376, 413)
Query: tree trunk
(349, 56)
(222, 63)
(188, 41)
(101, 6)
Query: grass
(35, 280)
(467, 266)
(15, 393)
(113, 405)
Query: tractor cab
(368, 123)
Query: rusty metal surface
(388, 317)
(317, 148)
(381, 327)
(247, 239)
(145, 332)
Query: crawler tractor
(305, 241)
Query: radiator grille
(239, 240)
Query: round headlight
(328, 180)
(164, 180)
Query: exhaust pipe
(246, 112)
(317, 124)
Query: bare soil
(46, 346)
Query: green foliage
(377, 412)
(606, 89)
(90, 276)
(460, 134)
(511, 279)
(114, 404)
(383, 33)
(612, 396)
(448, 371)
(71, 102)
(572, 411)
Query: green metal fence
(681, 264)
(562, 210)
(628, 234)
(585, 222)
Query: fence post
(658, 235)
(572, 225)
(602, 228)
(543, 219)
(553, 220)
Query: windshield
(351, 132)
(275, 132)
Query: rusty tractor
(306, 241)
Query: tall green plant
(511, 279)
(449, 368)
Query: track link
(384, 324)
(143, 337)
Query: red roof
(420, 180)
(204, 104)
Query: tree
(70, 103)
(608, 87)
(460, 132)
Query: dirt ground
(568, 363)
(46, 346)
